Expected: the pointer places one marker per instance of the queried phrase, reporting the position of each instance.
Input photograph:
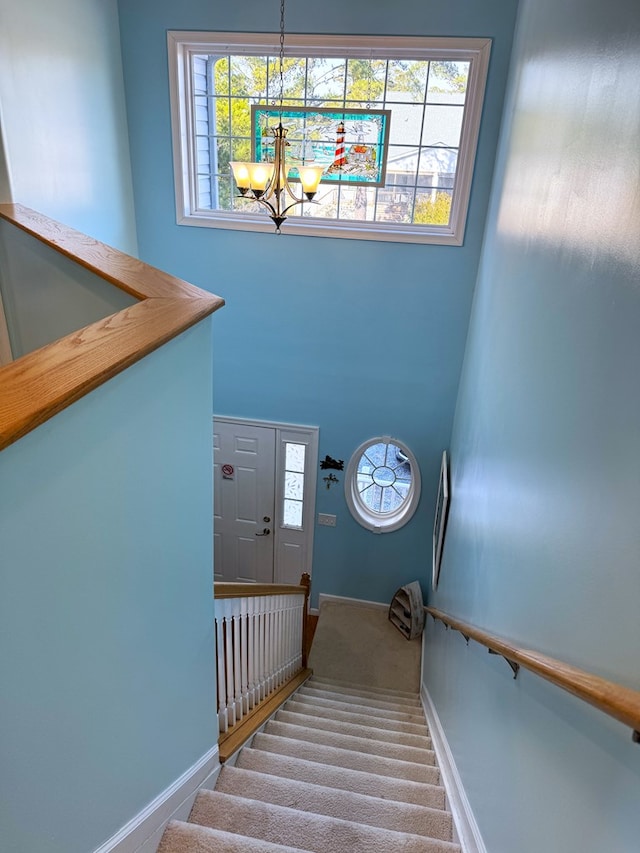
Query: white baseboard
(358, 602)
(468, 831)
(142, 833)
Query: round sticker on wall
(227, 472)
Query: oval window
(382, 484)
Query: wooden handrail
(252, 590)
(223, 589)
(42, 383)
(621, 703)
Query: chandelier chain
(281, 70)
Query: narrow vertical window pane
(293, 485)
(292, 507)
(293, 514)
(294, 457)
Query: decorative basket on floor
(406, 611)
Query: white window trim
(374, 521)
(182, 44)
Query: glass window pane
(448, 79)
(395, 207)
(247, 76)
(293, 485)
(433, 208)
(293, 513)
(357, 203)
(402, 164)
(325, 78)
(294, 456)
(240, 117)
(365, 81)
(442, 125)
(408, 79)
(391, 500)
(437, 167)
(373, 498)
(406, 124)
(221, 76)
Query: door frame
(308, 435)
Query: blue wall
(47, 296)
(107, 651)
(308, 318)
(63, 129)
(543, 537)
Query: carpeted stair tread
(342, 778)
(408, 700)
(343, 727)
(318, 833)
(321, 799)
(341, 767)
(363, 745)
(368, 688)
(348, 758)
(358, 708)
(381, 723)
(181, 837)
(383, 705)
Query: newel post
(305, 581)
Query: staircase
(339, 769)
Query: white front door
(243, 488)
(264, 500)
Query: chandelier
(267, 183)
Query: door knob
(265, 532)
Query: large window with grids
(432, 88)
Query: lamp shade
(241, 174)
(260, 175)
(310, 177)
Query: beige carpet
(344, 766)
(358, 644)
(324, 779)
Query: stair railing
(42, 383)
(261, 647)
(621, 703)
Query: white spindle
(244, 655)
(228, 657)
(300, 619)
(223, 719)
(237, 689)
(251, 650)
(259, 648)
(262, 650)
(276, 642)
(271, 645)
(282, 656)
